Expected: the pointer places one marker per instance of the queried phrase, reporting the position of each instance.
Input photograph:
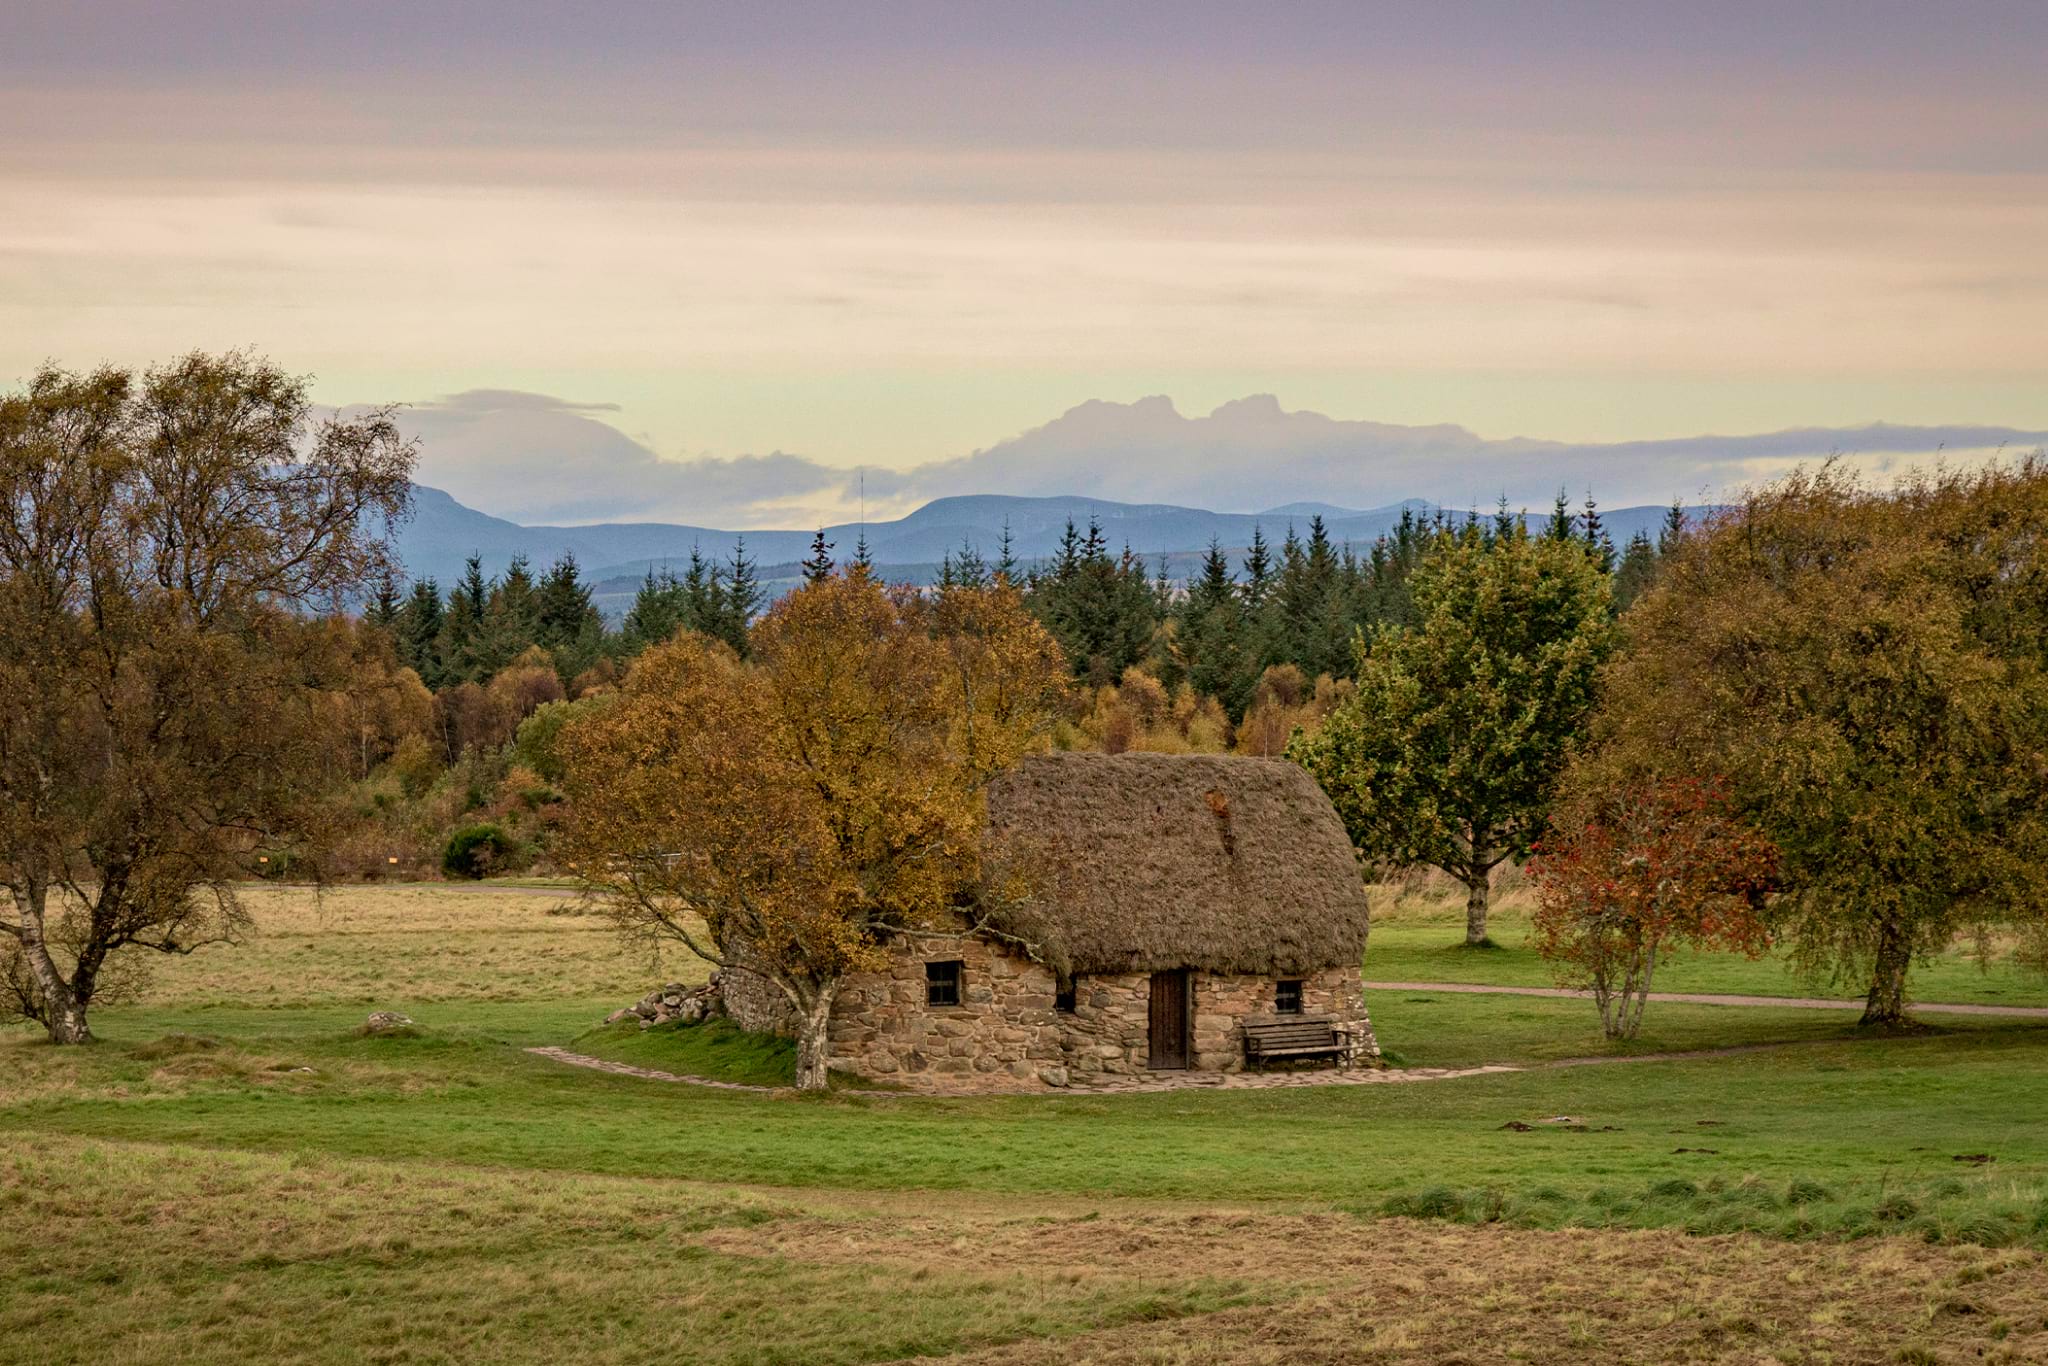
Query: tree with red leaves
(1649, 868)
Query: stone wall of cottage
(755, 1003)
(1006, 1025)
(1109, 1030)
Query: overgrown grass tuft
(1987, 1213)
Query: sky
(699, 262)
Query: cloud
(1252, 454)
(537, 459)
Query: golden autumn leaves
(785, 809)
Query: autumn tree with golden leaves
(786, 813)
(167, 706)
(1864, 670)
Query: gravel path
(1106, 1084)
(563, 1055)
(1701, 999)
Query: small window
(1063, 995)
(1287, 998)
(942, 982)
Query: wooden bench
(1308, 1037)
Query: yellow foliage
(804, 801)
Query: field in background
(236, 1174)
(1418, 933)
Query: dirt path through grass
(1189, 1081)
(1702, 999)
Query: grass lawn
(234, 1173)
(1421, 938)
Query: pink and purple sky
(703, 260)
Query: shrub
(416, 765)
(475, 850)
(1643, 871)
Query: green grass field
(234, 1173)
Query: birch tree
(784, 814)
(166, 708)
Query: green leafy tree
(1447, 752)
(1866, 670)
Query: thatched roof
(1150, 862)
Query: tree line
(1811, 720)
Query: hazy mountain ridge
(443, 533)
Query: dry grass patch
(422, 943)
(1399, 1291)
(192, 1255)
(182, 1064)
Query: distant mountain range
(617, 555)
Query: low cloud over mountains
(534, 458)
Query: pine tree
(563, 606)
(1504, 522)
(658, 610)
(511, 620)
(1673, 530)
(703, 594)
(420, 624)
(1067, 560)
(1562, 523)
(1305, 630)
(969, 569)
(863, 562)
(1006, 558)
(382, 609)
(1258, 571)
(1598, 546)
(1209, 633)
(568, 626)
(1638, 568)
(463, 626)
(742, 599)
(819, 566)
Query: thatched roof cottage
(1171, 907)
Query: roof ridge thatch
(1150, 862)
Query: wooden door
(1169, 1020)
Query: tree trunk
(63, 1007)
(1886, 1004)
(813, 1040)
(1475, 910)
